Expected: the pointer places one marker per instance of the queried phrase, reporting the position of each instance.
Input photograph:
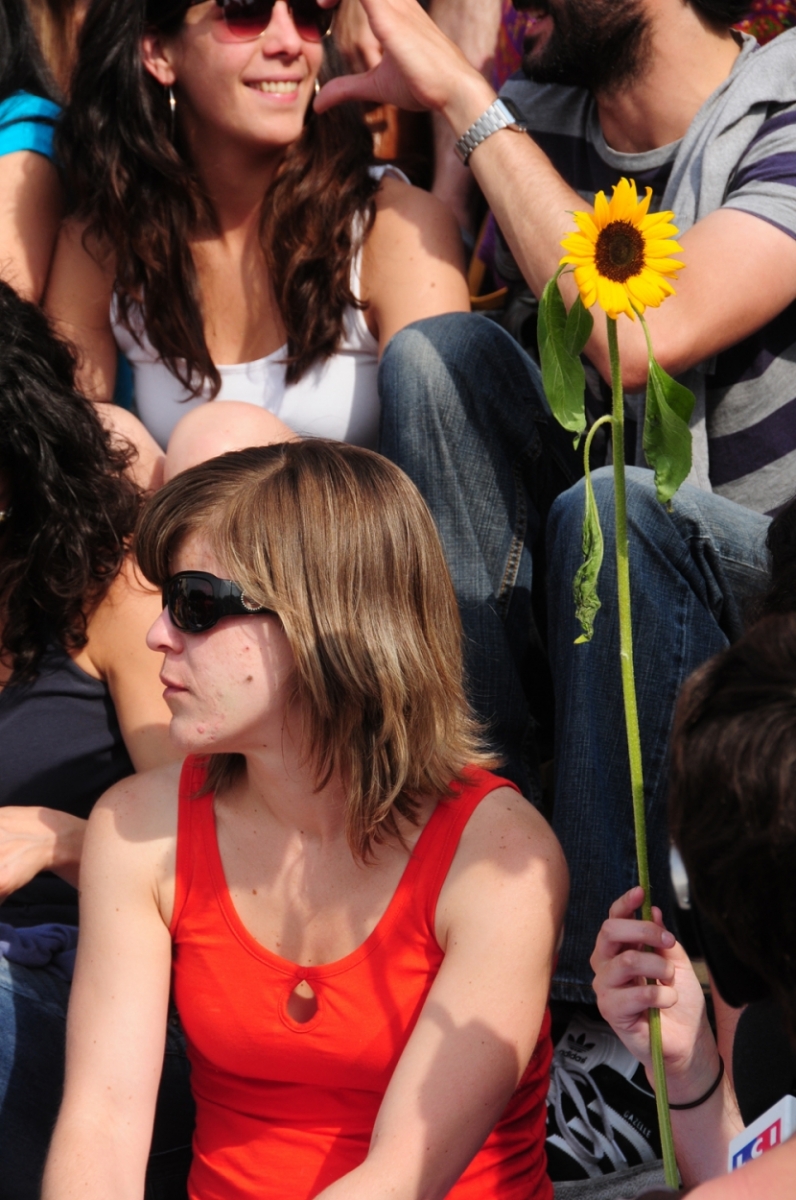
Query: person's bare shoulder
(400, 205)
(508, 855)
(144, 805)
(413, 261)
(507, 828)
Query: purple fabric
(52, 946)
(737, 454)
(777, 168)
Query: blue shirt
(27, 122)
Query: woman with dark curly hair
(235, 244)
(80, 705)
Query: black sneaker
(601, 1115)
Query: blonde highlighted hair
(339, 543)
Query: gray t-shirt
(748, 392)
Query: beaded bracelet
(708, 1093)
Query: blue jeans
(33, 1003)
(691, 572)
(463, 413)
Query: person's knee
(214, 429)
(566, 514)
(456, 367)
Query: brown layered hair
(732, 803)
(338, 542)
(56, 24)
(133, 185)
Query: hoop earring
(172, 111)
(317, 85)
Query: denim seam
(517, 543)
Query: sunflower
(621, 254)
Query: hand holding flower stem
(621, 257)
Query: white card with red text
(767, 1132)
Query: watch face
(514, 110)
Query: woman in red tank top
(358, 920)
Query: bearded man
(666, 93)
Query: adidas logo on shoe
(601, 1115)
(575, 1044)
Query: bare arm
(34, 839)
(78, 300)
(770, 1176)
(30, 211)
(117, 1013)
(118, 651)
(498, 920)
(422, 68)
(412, 264)
(474, 26)
(622, 964)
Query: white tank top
(336, 398)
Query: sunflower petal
(645, 291)
(660, 233)
(586, 279)
(576, 243)
(662, 248)
(641, 211)
(665, 266)
(658, 218)
(585, 223)
(602, 212)
(624, 200)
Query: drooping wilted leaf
(667, 438)
(584, 585)
(563, 376)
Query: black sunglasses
(245, 20)
(197, 600)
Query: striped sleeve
(764, 181)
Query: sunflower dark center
(619, 253)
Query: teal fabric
(27, 122)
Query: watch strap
(501, 114)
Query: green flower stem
(590, 437)
(633, 735)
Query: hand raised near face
(420, 67)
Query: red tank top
(284, 1109)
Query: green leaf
(578, 328)
(667, 438)
(563, 376)
(584, 585)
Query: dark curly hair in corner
(72, 505)
(142, 198)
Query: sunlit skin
(687, 61)
(226, 688)
(218, 83)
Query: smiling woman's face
(253, 92)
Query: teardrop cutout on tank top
(302, 1003)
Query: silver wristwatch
(501, 114)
